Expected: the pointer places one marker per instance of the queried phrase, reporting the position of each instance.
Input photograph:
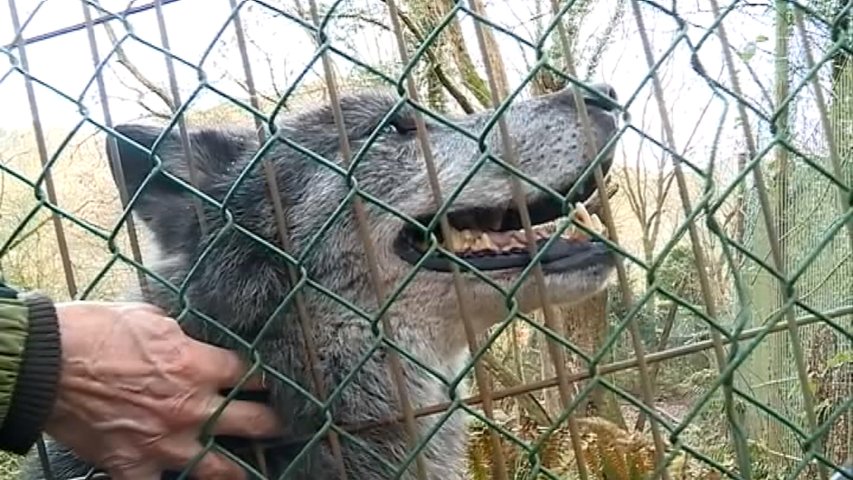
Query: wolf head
(226, 257)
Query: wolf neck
(438, 343)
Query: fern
(609, 452)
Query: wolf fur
(241, 282)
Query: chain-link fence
(383, 249)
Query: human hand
(135, 391)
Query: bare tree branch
(605, 40)
(505, 377)
(29, 233)
(123, 60)
(470, 77)
(437, 69)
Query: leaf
(748, 52)
(840, 358)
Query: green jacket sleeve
(29, 367)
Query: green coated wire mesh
(723, 346)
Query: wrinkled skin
(241, 282)
(135, 393)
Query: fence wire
(763, 294)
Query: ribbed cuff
(38, 378)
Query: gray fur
(241, 282)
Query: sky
(278, 45)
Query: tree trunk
(467, 70)
(585, 324)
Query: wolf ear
(130, 164)
(212, 153)
(164, 203)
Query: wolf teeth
(590, 221)
(597, 225)
(475, 241)
(582, 214)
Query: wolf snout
(605, 89)
(601, 97)
(604, 96)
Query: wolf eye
(399, 126)
(388, 128)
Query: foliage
(610, 453)
(8, 466)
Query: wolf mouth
(493, 238)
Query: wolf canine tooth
(582, 214)
(597, 225)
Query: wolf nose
(603, 96)
(605, 89)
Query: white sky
(65, 62)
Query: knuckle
(208, 414)
(168, 328)
(171, 451)
(121, 461)
(215, 466)
(183, 361)
(189, 408)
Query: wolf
(227, 257)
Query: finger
(256, 382)
(216, 466)
(182, 454)
(225, 368)
(247, 419)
